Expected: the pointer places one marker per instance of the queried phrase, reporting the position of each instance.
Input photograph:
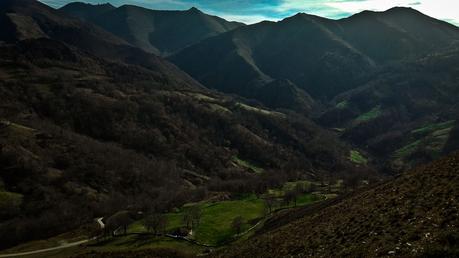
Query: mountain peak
(194, 10)
(401, 9)
(82, 4)
(305, 16)
(107, 5)
(393, 10)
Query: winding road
(63, 246)
(47, 249)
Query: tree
(290, 196)
(270, 201)
(260, 188)
(94, 230)
(192, 216)
(237, 224)
(300, 188)
(155, 223)
(121, 219)
(331, 181)
(188, 220)
(351, 181)
(310, 188)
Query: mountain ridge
(325, 43)
(162, 32)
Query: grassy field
(429, 128)
(10, 201)
(246, 164)
(343, 104)
(214, 228)
(218, 108)
(215, 223)
(357, 157)
(201, 96)
(370, 115)
(306, 199)
(302, 199)
(432, 137)
(258, 110)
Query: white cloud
(440, 9)
(247, 19)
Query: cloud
(247, 19)
(312, 7)
(274, 10)
(441, 9)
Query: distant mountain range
(159, 32)
(319, 56)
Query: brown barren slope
(415, 215)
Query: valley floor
(213, 232)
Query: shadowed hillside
(375, 77)
(29, 19)
(127, 130)
(320, 56)
(407, 114)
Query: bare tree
(290, 196)
(351, 181)
(94, 230)
(260, 188)
(121, 219)
(156, 223)
(270, 202)
(300, 188)
(192, 216)
(196, 213)
(331, 181)
(237, 224)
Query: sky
(253, 11)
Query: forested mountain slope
(123, 129)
